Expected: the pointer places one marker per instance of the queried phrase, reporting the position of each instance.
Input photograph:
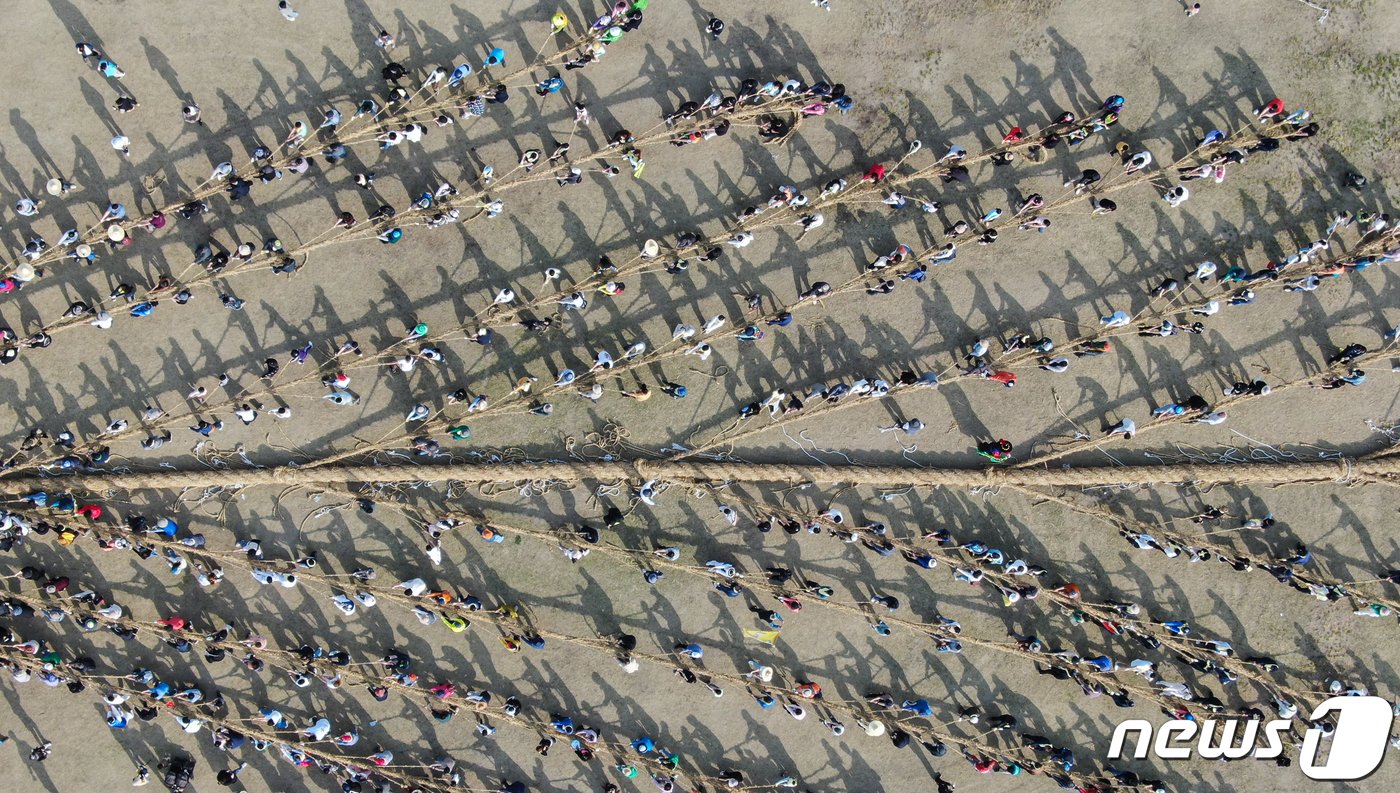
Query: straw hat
(54, 186)
(650, 248)
(116, 233)
(25, 272)
(83, 250)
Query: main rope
(1347, 470)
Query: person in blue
(917, 275)
(164, 526)
(1352, 377)
(497, 57)
(919, 706)
(1102, 662)
(729, 589)
(550, 85)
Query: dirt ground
(938, 72)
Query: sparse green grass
(1368, 75)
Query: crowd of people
(1187, 674)
(332, 667)
(973, 562)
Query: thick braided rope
(1344, 470)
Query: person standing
(27, 207)
(228, 777)
(287, 12)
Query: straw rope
(1345, 470)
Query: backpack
(178, 773)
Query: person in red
(176, 623)
(875, 174)
(155, 222)
(1004, 377)
(982, 766)
(809, 691)
(90, 511)
(1016, 135)
(1273, 109)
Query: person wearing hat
(58, 187)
